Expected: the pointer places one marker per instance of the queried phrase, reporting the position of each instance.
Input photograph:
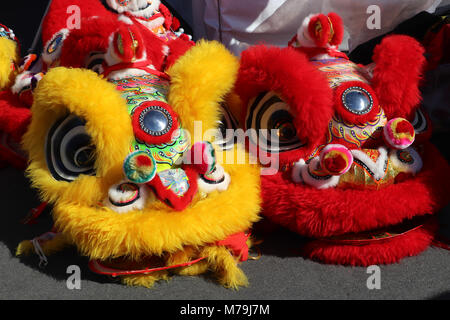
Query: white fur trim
(111, 57)
(128, 73)
(331, 182)
(378, 167)
(297, 171)
(303, 36)
(305, 40)
(117, 196)
(153, 24)
(217, 175)
(165, 50)
(123, 18)
(49, 58)
(401, 166)
(22, 81)
(133, 7)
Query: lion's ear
(399, 62)
(200, 79)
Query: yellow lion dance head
(87, 161)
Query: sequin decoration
(6, 32)
(355, 134)
(373, 171)
(165, 155)
(140, 89)
(340, 70)
(175, 180)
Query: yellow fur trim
(8, 55)
(24, 248)
(101, 233)
(85, 94)
(145, 280)
(225, 266)
(182, 256)
(49, 247)
(200, 79)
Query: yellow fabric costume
(200, 80)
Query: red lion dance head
(356, 173)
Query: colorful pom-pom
(202, 157)
(139, 167)
(336, 159)
(399, 133)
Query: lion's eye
(155, 121)
(357, 100)
(69, 149)
(282, 122)
(95, 62)
(225, 137)
(273, 124)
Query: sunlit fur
(198, 90)
(199, 82)
(8, 54)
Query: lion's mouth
(372, 169)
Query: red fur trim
(128, 43)
(319, 30)
(147, 138)
(57, 16)
(323, 213)
(168, 19)
(175, 24)
(14, 115)
(399, 61)
(153, 45)
(237, 244)
(289, 73)
(379, 252)
(349, 116)
(338, 28)
(177, 48)
(92, 37)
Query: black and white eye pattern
(420, 122)
(272, 124)
(225, 137)
(69, 149)
(95, 61)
